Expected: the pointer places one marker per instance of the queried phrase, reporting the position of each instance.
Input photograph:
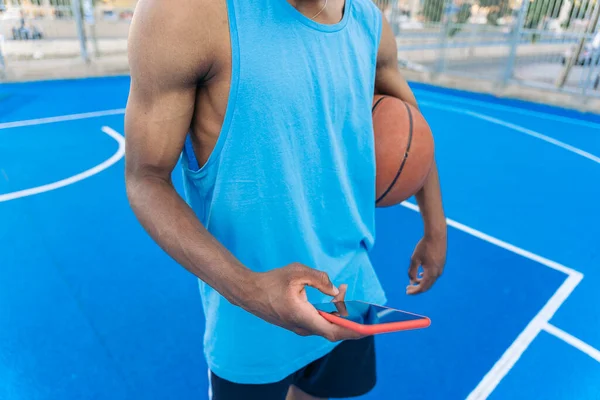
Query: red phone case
(422, 322)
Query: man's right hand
(279, 297)
(166, 74)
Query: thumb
(319, 280)
(413, 270)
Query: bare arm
(432, 249)
(165, 72)
(170, 56)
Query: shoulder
(365, 4)
(368, 15)
(366, 10)
(182, 33)
(168, 16)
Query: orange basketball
(403, 149)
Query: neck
(331, 14)
(303, 3)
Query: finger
(421, 287)
(319, 280)
(424, 284)
(334, 332)
(413, 270)
(318, 325)
(341, 333)
(341, 307)
(342, 294)
(339, 302)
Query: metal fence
(550, 44)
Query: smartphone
(370, 319)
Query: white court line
(517, 128)
(538, 135)
(518, 347)
(512, 354)
(522, 342)
(573, 341)
(541, 321)
(507, 246)
(75, 178)
(458, 99)
(61, 118)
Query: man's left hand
(430, 254)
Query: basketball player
(268, 103)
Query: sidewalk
(67, 63)
(63, 48)
(511, 91)
(464, 53)
(22, 50)
(66, 68)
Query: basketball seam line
(410, 134)
(377, 103)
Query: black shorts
(348, 371)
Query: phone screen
(365, 313)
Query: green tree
(464, 13)
(491, 3)
(579, 9)
(540, 9)
(433, 10)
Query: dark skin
(430, 253)
(180, 86)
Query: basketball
(403, 150)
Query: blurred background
(92, 308)
(42, 38)
(484, 45)
(549, 44)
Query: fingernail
(336, 291)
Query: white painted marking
(75, 178)
(518, 347)
(539, 322)
(62, 118)
(507, 246)
(517, 128)
(573, 341)
(516, 110)
(538, 135)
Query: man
(270, 104)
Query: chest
(298, 67)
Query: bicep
(164, 75)
(156, 124)
(388, 80)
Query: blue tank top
(292, 175)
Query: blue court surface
(91, 308)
